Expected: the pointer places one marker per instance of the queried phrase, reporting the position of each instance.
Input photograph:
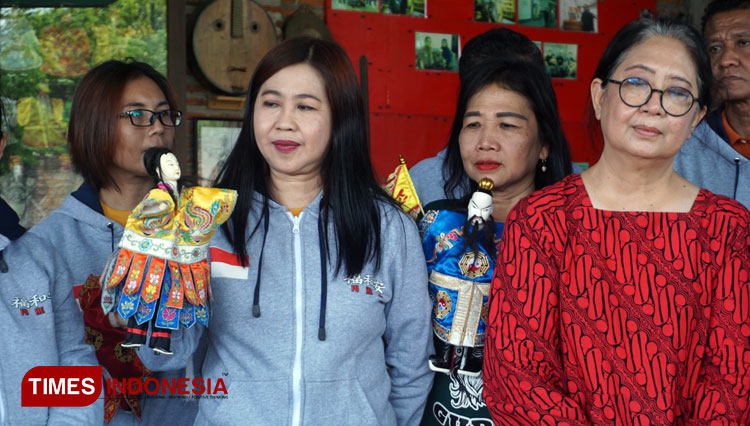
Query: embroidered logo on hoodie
(367, 284)
(33, 303)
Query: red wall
(411, 110)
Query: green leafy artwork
(44, 53)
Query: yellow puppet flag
(401, 188)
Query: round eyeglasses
(636, 92)
(145, 118)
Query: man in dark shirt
(717, 155)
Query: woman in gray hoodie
(320, 312)
(120, 109)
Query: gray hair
(644, 29)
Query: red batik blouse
(619, 318)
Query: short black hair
(498, 43)
(718, 6)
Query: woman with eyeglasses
(621, 295)
(119, 110)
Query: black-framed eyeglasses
(145, 117)
(636, 92)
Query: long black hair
(350, 191)
(532, 83)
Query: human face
(647, 131)
(292, 122)
(133, 141)
(500, 140)
(169, 167)
(727, 37)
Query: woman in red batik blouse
(621, 295)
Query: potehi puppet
(460, 274)
(161, 273)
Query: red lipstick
(285, 146)
(487, 165)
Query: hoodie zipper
(297, 371)
(2, 405)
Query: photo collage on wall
(440, 51)
(395, 7)
(567, 15)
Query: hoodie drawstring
(322, 240)
(111, 234)
(323, 273)
(256, 294)
(3, 263)
(736, 176)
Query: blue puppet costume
(161, 273)
(460, 258)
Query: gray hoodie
(41, 326)
(371, 369)
(709, 161)
(85, 238)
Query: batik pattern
(620, 318)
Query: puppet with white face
(480, 204)
(161, 274)
(459, 249)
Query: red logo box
(61, 386)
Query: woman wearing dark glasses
(120, 109)
(621, 295)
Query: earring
(544, 165)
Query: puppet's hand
(116, 321)
(151, 209)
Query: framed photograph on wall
(500, 11)
(579, 15)
(355, 5)
(538, 13)
(214, 140)
(403, 7)
(436, 51)
(561, 60)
